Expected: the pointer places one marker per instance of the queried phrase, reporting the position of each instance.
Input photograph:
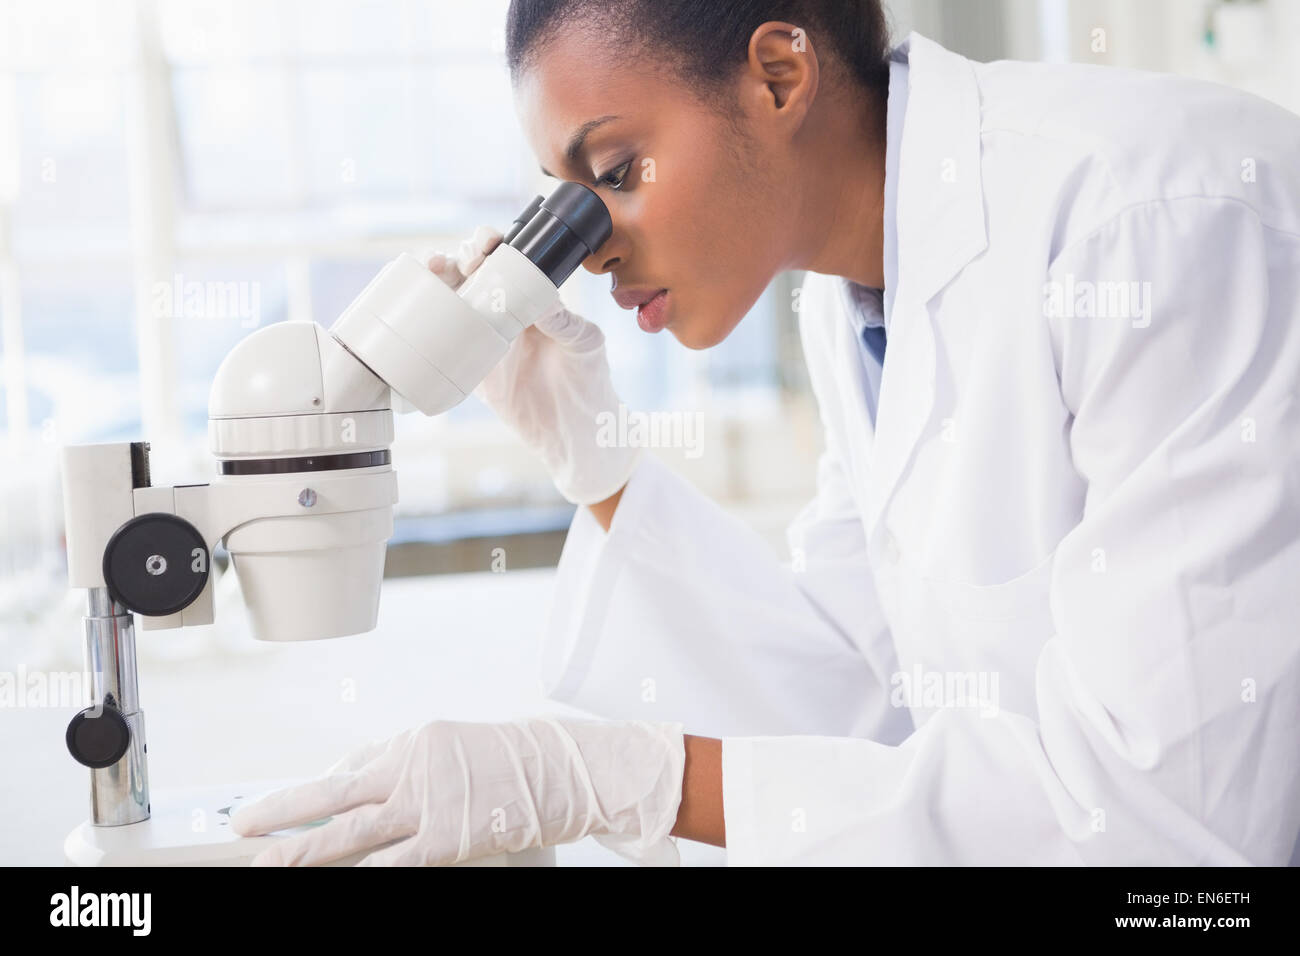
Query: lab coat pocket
(1026, 595)
(996, 630)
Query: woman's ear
(783, 72)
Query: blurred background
(273, 154)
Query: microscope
(300, 423)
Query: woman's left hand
(450, 791)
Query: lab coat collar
(940, 214)
(941, 227)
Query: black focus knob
(156, 564)
(98, 738)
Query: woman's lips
(650, 304)
(652, 315)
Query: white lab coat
(1096, 506)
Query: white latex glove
(457, 791)
(552, 388)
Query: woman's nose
(611, 253)
(600, 262)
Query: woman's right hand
(554, 389)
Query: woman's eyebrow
(579, 139)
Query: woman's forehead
(572, 87)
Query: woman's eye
(614, 178)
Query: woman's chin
(689, 337)
(698, 335)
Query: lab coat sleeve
(1168, 696)
(682, 612)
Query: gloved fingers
(486, 239)
(368, 825)
(307, 802)
(558, 325)
(409, 852)
(444, 267)
(476, 248)
(358, 758)
(453, 268)
(570, 330)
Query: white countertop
(222, 707)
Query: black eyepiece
(562, 230)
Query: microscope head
(301, 419)
(296, 420)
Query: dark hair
(706, 40)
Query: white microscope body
(300, 422)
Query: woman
(1042, 609)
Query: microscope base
(191, 827)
